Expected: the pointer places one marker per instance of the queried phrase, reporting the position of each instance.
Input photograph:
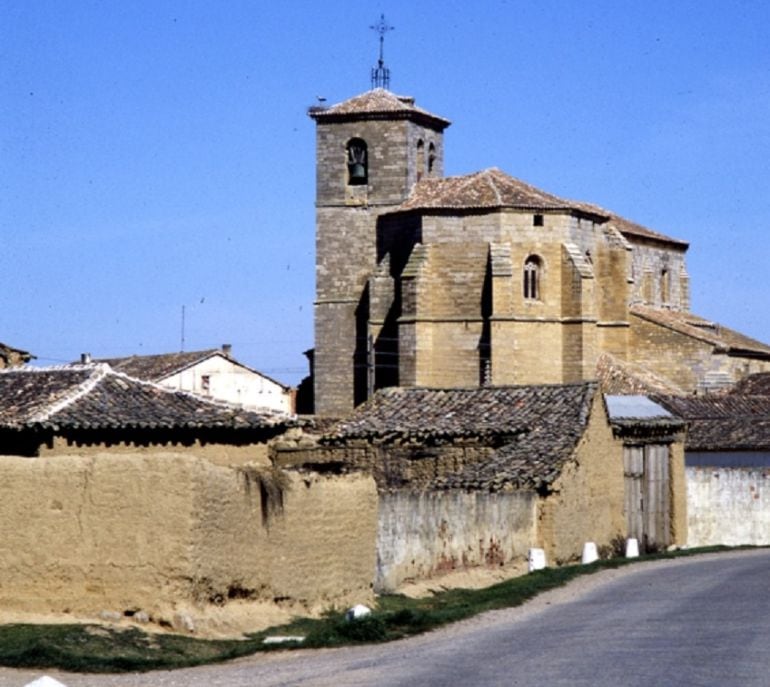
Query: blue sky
(155, 155)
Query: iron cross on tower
(380, 73)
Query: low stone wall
(152, 532)
(728, 506)
(424, 533)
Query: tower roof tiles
(378, 104)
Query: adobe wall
(163, 531)
(728, 506)
(679, 502)
(219, 454)
(424, 533)
(588, 497)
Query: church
(430, 281)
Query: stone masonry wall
(649, 262)
(346, 244)
(689, 363)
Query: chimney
(85, 358)
(227, 349)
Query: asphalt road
(699, 621)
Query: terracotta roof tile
(488, 189)
(153, 368)
(631, 229)
(536, 428)
(157, 367)
(377, 103)
(619, 377)
(754, 385)
(97, 397)
(494, 189)
(735, 420)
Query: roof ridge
(491, 178)
(98, 373)
(48, 368)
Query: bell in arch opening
(358, 171)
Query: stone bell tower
(370, 151)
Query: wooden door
(647, 495)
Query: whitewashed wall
(233, 383)
(728, 505)
(424, 533)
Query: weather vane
(380, 73)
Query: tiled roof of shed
(754, 385)
(724, 339)
(538, 427)
(96, 397)
(489, 189)
(374, 103)
(735, 420)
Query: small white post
(632, 548)
(536, 559)
(590, 554)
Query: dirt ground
(236, 618)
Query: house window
(431, 158)
(358, 162)
(420, 159)
(537, 220)
(205, 383)
(532, 277)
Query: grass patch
(97, 649)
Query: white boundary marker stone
(590, 554)
(281, 639)
(632, 548)
(536, 559)
(45, 681)
(358, 611)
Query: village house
(476, 477)
(727, 458)
(213, 373)
(482, 279)
(121, 496)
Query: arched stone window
(533, 273)
(358, 162)
(431, 159)
(420, 159)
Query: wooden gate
(648, 495)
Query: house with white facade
(212, 373)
